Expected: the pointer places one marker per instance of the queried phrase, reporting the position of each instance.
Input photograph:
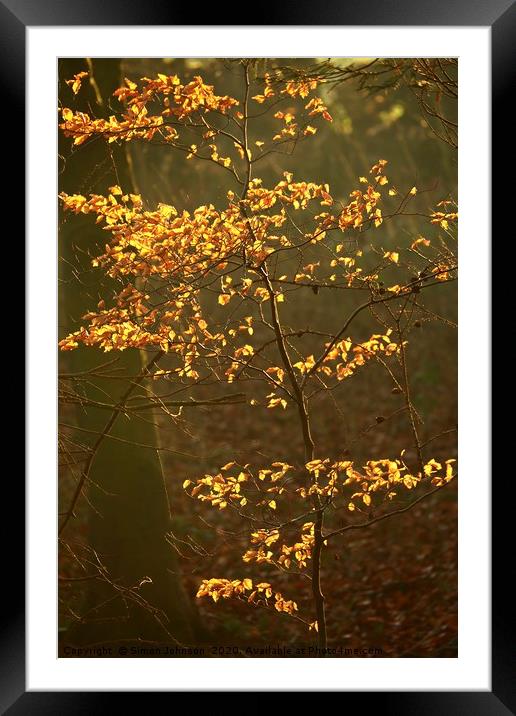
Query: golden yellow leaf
(420, 240)
(392, 256)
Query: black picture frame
(500, 16)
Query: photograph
(257, 314)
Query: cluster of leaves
(156, 108)
(178, 101)
(339, 483)
(377, 482)
(260, 594)
(185, 253)
(300, 551)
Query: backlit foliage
(255, 493)
(191, 250)
(259, 594)
(369, 486)
(195, 285)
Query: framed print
(243, 246)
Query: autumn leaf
(76, 82)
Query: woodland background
(393, 585)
